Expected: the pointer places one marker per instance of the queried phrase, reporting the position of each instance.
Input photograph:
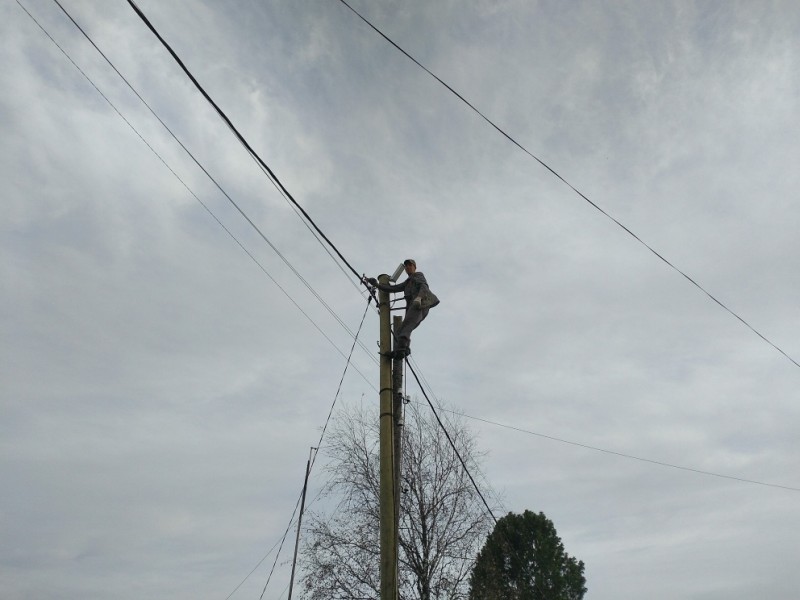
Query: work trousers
(411, 321)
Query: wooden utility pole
(388, 503)
(300, 519)
(397, 409)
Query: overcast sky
(160, 391)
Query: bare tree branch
(442, 522)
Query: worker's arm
(387, 287)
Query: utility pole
(300, 519)
(397, 408)
(388, 502)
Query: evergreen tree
(524, 559)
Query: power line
(283, 191)
(452, 444)
(355, 336)
(297, 504)
(214, 181)
(324, 246)
(275, 181)
(349, 357)
(280, 189)
(319, 445)
(336, 396)
(239, 136)
(563, 180)
(418, 372)
(283, 539)
(542, 163)
(660, 463)
(280, 541)
(621, 454)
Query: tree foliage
(524, 559)
(442, 519)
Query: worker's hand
(372, 281)
(417, 303)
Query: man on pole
(419, 300)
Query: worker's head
(410, 266)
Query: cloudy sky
(160, 387)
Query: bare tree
(442, 519)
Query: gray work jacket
(414, 286)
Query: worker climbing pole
(419, 300)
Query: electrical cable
(413, 372)
(563, 180)
(218, 186)
(319, 445)
(338, 389)
(283, 191)
(521, 147)
(621, 454)
(333, 404)
(291, 521)
(355, 336)
(280, 541)
(452, 444)
(289, 197)
(497, 499)
(280, 189)
(283, 539)
(446, 433)
(239, 136)
(324, 246)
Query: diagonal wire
(563, 180)
(216, 184)
(452, 444)
(277, 556)
(338, 389)
(280, 541)
(291, 520)
(319, 445)
(239, 136)
(621, 454)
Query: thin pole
(388, 539)
(397, 409)
(300, 520)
